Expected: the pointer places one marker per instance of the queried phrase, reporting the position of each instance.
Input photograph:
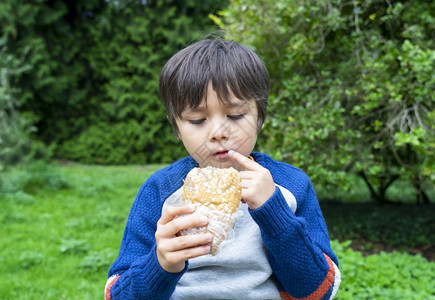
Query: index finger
(174, 210)
(244, 161)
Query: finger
(174, 261)
(188, 241)
(247, 175)
(186, 254)
(182, 223)
(244, 161)
(196, 251)
(175, 210)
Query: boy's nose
(220, 130)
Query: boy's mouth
(221, 154)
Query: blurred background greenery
(352, 104)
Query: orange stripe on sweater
(322, 289)
(109, 286)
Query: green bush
(17, 143)
(93, 86)
(352, 86)
(15, 128)
(118, 143)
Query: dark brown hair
(227, 65)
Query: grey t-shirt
(240, 269)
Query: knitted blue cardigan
(297, 243)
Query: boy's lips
(221, 154)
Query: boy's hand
(257, 182)
(173, 251)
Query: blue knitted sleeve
(298, 243)
(136, 273)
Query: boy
(215, 94)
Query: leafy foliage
(18, 146)
(383, 276)
(93, 87)
(15, 129)
(352, 86)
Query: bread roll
(216, 193)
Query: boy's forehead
(233, 103)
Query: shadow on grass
(373, 227)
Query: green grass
(59, 244)
(61, 229)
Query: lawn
(61, 229)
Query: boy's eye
(236, 117)
(196, 122)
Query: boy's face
(212, 129)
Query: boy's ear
(260, 126)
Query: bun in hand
(216, 193)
